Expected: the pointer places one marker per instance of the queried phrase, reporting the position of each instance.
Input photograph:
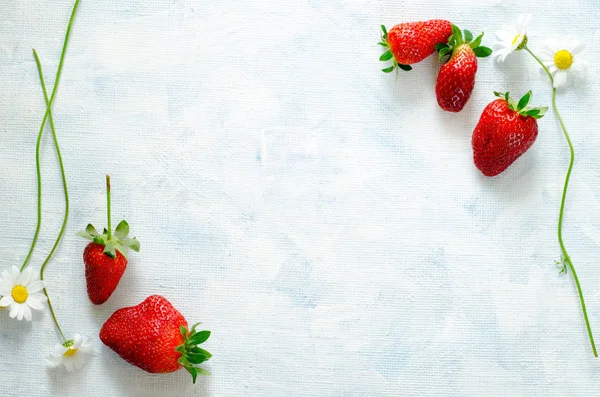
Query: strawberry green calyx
(460, 38)
(191, 354)
(521, 106)
(117, 241)
(386, 56)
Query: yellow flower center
(563, 59)
(70, 352)
(19, 294)
(517, 37)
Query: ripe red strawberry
(411, 42)
(105, 257)
(154, 336)
(456, 79)
(505, 131)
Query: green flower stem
(566, 257)
(64, 180)
(108, 206)
(39, 139)
(48, 115)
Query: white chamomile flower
(562, 57)
(512, 38)
(21, 292)
(73, 354)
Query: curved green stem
(48, 115)
(66, 191)
(39, 139)
(566, 257)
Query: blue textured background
(323, 219)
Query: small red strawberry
(105, 257)
(456, 79)
(505, 131)
(411, 42)
(154, 336)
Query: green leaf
(193, 372)
(199, 337)
(499, 94)
(199, 350)
(85, 235)
(122, 229)
(99, 239)
(532, 112)
(468, 36)
(444, 52)
(482, 52)
(457, 35)
(438, 47)
(386, 56)
(507, 96)
(183, 330)
(406, 68)
(202, 371)
(196, 358)
(109, 249)
(132, 243)
(383, 44)
(388, 70)
(477, 42)
(524, 101)
(384, 31)
(91, 229)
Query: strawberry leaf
(482, 52)
(201, 351)
(91, 229)
(388, 70)
(386, 56)
(381, 43)
(109, 249)
(468, 36)
(444, 52)
(384, 30)
(132, 243)
(406, 68)
(477, 42)
(199, 337)
(457, 35)
(192, 371)
(183, 330)
(440, 46)
(122, 229)
(196, 358)
(524, 101)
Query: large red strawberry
(154, 336)
(456, 78)
(105, 257)
(411, 42)
(505, 131)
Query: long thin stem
(566, 257)
(66, 191)
(39, 139)
(108, 206)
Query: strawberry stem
(566, 257)
(108, 206)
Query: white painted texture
(323, 219)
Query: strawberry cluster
(506, 129)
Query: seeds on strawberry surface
(506, 130)
(411, 42)
(456, 78)
(155, 337)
